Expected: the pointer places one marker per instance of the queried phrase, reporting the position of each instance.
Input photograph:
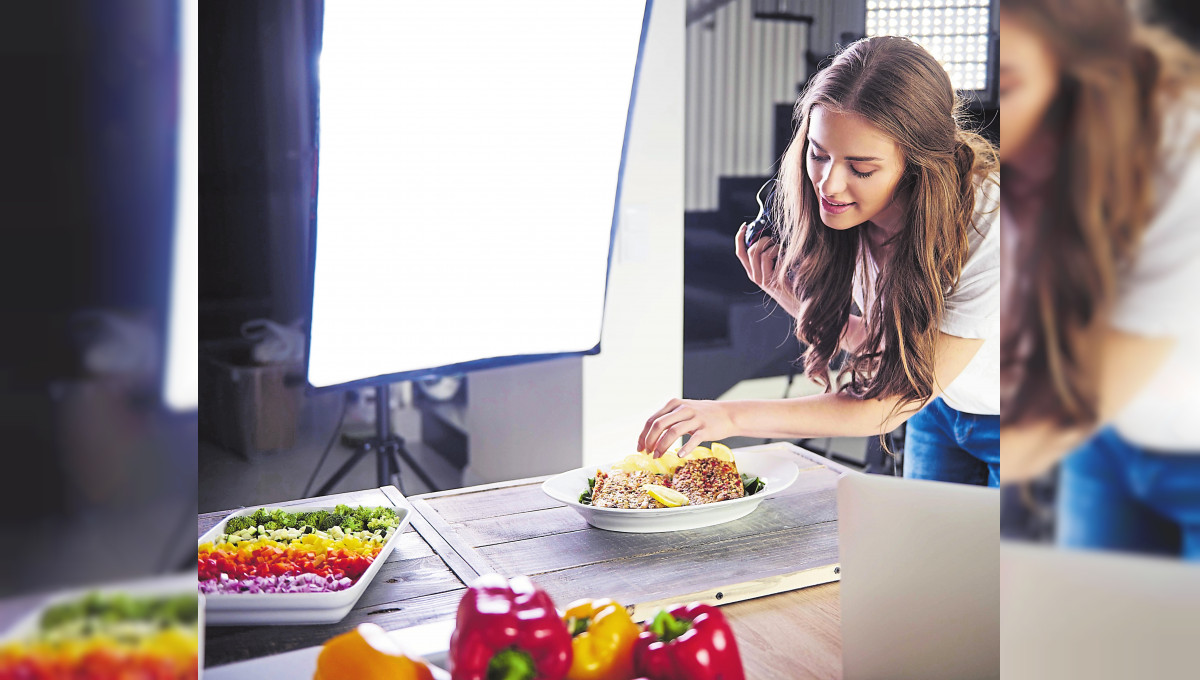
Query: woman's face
(853, 166)
(1029, 76)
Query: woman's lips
(833, 208)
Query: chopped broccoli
(331, 521)
(272, 525)
(382, 523)
(343, 510)
(261, 516)
(238, 523)
(352, 524)
(315, 519)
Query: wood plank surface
(465, 571)
(796, 634)
(790, 541)
(512, 500)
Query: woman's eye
(861, 174)
(815, 157)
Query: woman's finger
(643, 441)
(755, 257)
(672, 432)
(739, 248)
(695, 440)
(767, 264)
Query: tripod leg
(383, 465)
(403, 453)
(343, 470)
(394, 459)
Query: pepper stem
(511, 664)
(666, 627)
(577, 626)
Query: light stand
(388, 449)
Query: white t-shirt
(1159, 296)
(972, 308)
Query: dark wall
(256, 160)
(87, 201)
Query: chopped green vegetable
(239, 523)
(332, 521)
(585, 498)
(752, 485)
(105, 610)
(316, 519)
(348, 518)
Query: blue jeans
(952, 446)
(1113, 495)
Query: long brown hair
(1117, 80)
(898, 87)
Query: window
(956, 32)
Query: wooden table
(764, 568)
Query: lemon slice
(670, 462)
(700, 452)
(668, 497)
(634, 462)
(722, 452)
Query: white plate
(777, 471)
(243, 609)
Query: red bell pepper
(508, 630)
(688, 642)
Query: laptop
(1097, 615)
(920, 589)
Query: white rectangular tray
(241, 609)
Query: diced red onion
(288, 583)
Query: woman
(886, 203)
(1101, 340)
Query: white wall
(557, 415)
(738, 69)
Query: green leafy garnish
(752, 485)
(585, 498)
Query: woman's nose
(832, 182)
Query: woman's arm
(1127, 363)
(822, 415)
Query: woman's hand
(759, 262)
(704, 420)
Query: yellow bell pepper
(602, 640)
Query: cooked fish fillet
(624, 490)
(708, 480)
